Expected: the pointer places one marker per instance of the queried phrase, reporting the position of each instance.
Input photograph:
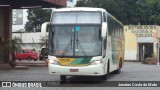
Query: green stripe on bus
(81, 61)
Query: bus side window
(104, 42)
(104, 47)
(104, 17)
(100, 33)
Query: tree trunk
(13, 63)
(13, 56)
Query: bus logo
(6, 84)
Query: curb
(32, 63)
(20, 68)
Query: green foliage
(81, 3)
(33, 49)
(35, 19)
(44, 41)
(15, 44)
(128, 11)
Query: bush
(150, 60)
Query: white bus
(84, 42)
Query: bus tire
(104, 77)
(119, 69)
(62, 78)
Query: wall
(31, 40)
(5, 33)
(135, 34)
(130, 45)
(1, 34)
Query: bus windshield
(71, 17)
(76, 40)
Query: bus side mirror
(104, 30)
(44, 27)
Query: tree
(81, 3)
(35, 19)
(128, 11)
(44, 41)
(14, 46)
(153, 11)
(117, 8)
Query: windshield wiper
(70, 42)
(84, 53)
(77, 40)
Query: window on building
(70, 0)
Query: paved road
(132, 71)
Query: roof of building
(20, 4)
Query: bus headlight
(95, 62)
(53, 62)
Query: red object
(27, 54)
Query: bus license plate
(73, 70)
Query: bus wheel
(62, 78)
(104, 77)
(119, 69)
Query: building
(29, 40)
(19, 17)
(141, 41)
(6, 7)
(71, 3)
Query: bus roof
(85, 9)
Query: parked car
(43, 54)
(27, 54)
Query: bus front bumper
(90, 70)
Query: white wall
(158, 30)
(131, 55)
(30, 40)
